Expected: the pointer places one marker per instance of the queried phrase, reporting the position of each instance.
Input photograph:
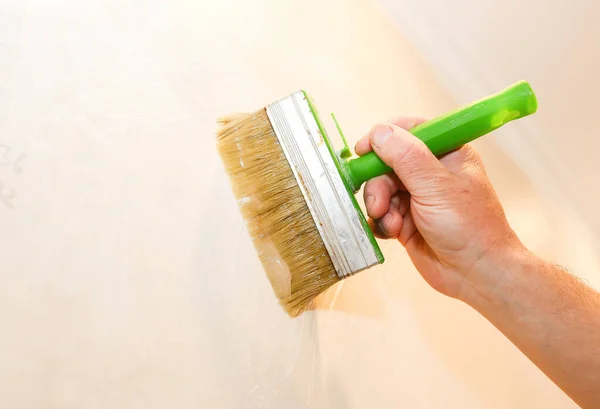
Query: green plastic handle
(454, 129)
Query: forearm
(551, 316)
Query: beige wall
(126, 277)
(482, 45)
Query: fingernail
(381, 134)
(369, 202)
(386, 223)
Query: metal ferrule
(329, 202)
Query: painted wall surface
(127, 279)
(477, 45)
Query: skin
(447, 216)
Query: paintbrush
(296, 193)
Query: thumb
(420, 171)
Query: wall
(126, 277)
(477, 46)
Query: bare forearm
(550, 316)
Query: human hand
(443, 211)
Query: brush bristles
(278, 219)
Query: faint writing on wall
(11, 161)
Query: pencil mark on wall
(7, 196)
(12, 160)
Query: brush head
(301, 214)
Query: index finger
(406, 122)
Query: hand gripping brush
(296, 192)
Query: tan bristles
(278, 219)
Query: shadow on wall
(402, 328)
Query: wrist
(492, 279)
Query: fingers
(363, 146)
(378, 193)
(465, 158)
(392, 223)
(409, 230)
(420, 171)
(405, 122)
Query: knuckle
(408, 154)
(377, 126)
(472, 155)
(472, 166)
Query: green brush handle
(454, 129)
